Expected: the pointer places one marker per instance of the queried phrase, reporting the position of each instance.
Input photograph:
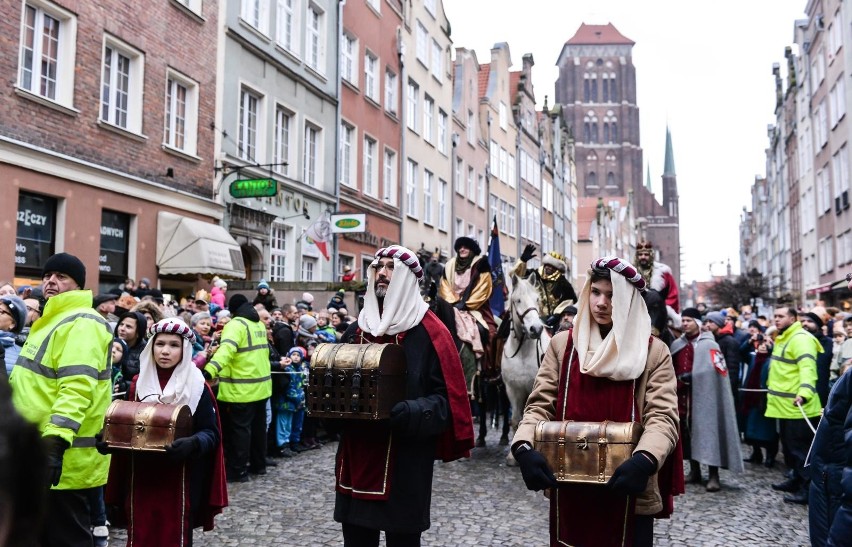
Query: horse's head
(656, 305)
(523, 303)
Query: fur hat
(18, 309)
(468, 242)
(68, 264)
(716, 317)
(554, 259)
(621, 266)
(404, 255)
(691, 313)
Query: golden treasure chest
(358, 381)
(150, 427)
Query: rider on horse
(553, 287)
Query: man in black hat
(105, 305)
(812, 323)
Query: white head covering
(186, 383)
(403, 307)
(622, 354)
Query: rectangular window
(347, 151)
(35, 239)
(411, 188)
(437, 60)
(471, 130)
(121, 86)
(48, 42)
(389, 193)
(316, 39)
(503, 223)
(493, 159)
(309, 265)
(504, 165)
(511, 220)
(430, 7)
(524, 219)
(312, 154)
(181, 116)
(371, 167)
(459, 226)
(348, 60)
(278, 252)
(511, 171)
(411, 113)
(281, 140)
(112, 257)
(256, 14)
(427, 196)
(288, 25)
(375, 4)
(442, 131)
(471, 189)
(371, 76)
(442, 204)
(391, 100)
(459, 181)
(247, 136)
(422, 44)
(504, 118)
(492, 208)
(480, 191)
(428, 114)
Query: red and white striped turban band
(622, 267)
(406, 256)
(172, 325)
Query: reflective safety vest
(793, 373)
(62, 382)
(242, 362)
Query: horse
(524, 348)
(657, 309)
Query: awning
(189, 246)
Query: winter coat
(7, 343)
(731, 351)
(824, 360)
(830, 496)
(217, 296)
(268, 301)
(793, 373)
(656, 395)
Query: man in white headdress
(383, 469)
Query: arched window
(591, 179)
(587, 132)
(595, 132)
(610, 179)
(613, 132)
(606, 132)
(605, 88)
(613, 91)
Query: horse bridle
(523, 331)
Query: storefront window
(36, 235)
(112, 258)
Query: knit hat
(406, 256)
(219, 282)
(298, 349)
(236, 301)
(621, 266)
(468, 242)
(308, 297)
(813, 317)
(301, 306)
(756, 324)
(157, 295)
(69, 265)
(716, 317)
(101, 298)
(341, 292)
(18, 309)
(307, 322)
(172, 325)
(262, 285)
(555, 260)
(146, 281)
(692, 313)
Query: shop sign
(253, 188)
(112, 258)
(348, 223)
(34, 240)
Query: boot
(756, 456)
(286, 452)
(790, 485)
(800, 497)
(713, 483)
(694, 476)
(297, 447)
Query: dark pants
(244, 437)
(643, 531)
(796, 437)
(358, 536)
(97, 506)
(68, 519)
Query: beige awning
(189, 246)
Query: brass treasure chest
(150, 427)
(360, 381)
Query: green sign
(254, 188)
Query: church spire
(669, 169)
(648, 177)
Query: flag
(498, 284)
(319, 233)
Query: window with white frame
(411, 113)
(371, 167)
(826, 255)
(504, 118)
(256, 14)
(288, 25)
(511, 220)
(371, 76)
(480, 191)
(278, 252)
(442, 131)
(504, 217)
(822, 124)
(422, 36)
(458, 173)
(430, 7)
(122, 80)
(375, 4)
(313, 150)
(428, 179)
(471, 230)
(471, 189)
(248, 130)
(504, 165)
(316, 38)
(442, 204)
(181, 117)
(511, 171)
(48, 42)
(823, 184)
(282, 140)
(349, 59)
(193, 5)
(471, 130)
(524, 219)
(492, 207)
(411, 188)
(428, 114)
(459, 226)
(391, 96)
(844, 169)
(389, 188)
(494, 159)
(309, 267)
(347, 153)
(536, 224)
(437, 60)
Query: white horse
(525, 347)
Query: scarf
(621, 355)
(464, 263)
(183, 388)
(402, 308)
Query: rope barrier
(805, 416)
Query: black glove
(631, 477)
(100, 445)
(534, 469)
(529, 253)
(400, 415)
(54, 448)
(686, 377)
(183, 449)
(206, 375)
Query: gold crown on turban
(556, 260)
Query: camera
(759, 337)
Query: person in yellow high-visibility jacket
(792, 397)
(62, 382)
(241, 363)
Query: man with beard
(659, 277)
(812, 323)
(383, 469)
(553, 287)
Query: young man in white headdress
(607, 367)
(383, 469)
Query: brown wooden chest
(356, 381)
(150, 427)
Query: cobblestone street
(481, 502)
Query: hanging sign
(348, 223)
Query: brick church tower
(596, 87)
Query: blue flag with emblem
(498, 284)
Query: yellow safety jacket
(242, 362)
(62, 382)
(793, 373)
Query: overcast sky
(703, 68)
